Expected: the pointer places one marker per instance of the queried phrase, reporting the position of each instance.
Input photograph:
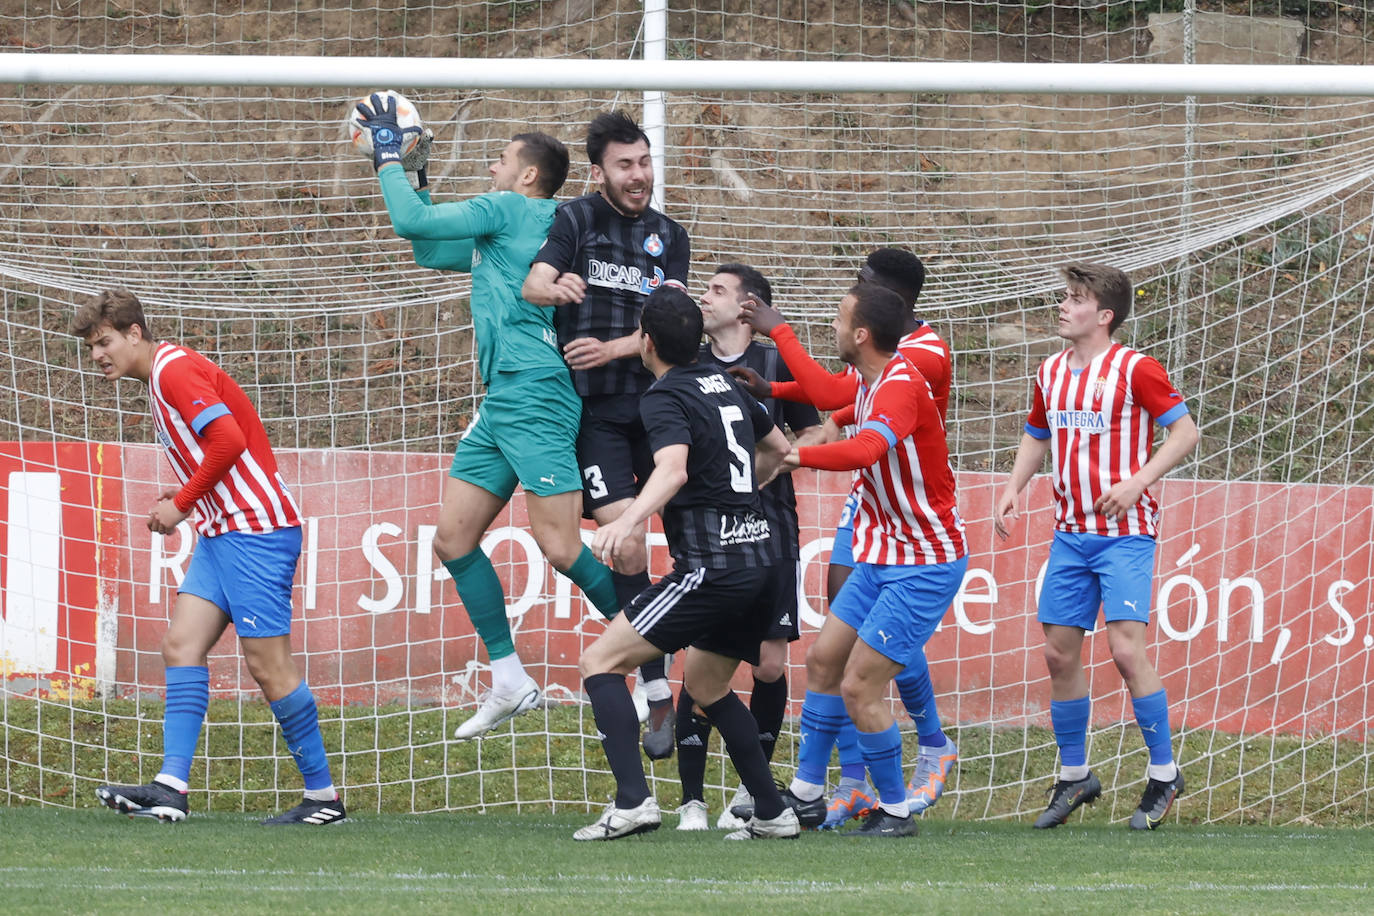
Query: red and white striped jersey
(187, 392)
(1099, 421)
(924, 349)
(907, 513)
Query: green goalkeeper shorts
(524, 431)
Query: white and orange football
(407, 116)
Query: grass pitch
(96, 861)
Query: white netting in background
(254, 234)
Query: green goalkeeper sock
(484, 600)
(596, 583)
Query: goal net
(253, 233)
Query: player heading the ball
(525, 429)
(244, 560)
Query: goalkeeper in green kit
(525, 429)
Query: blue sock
(1070, 721)
(1152, 715)
(821, 718)
(918, 696)
(300, 726)
(851, 758)
(883, 756)
(188, 697)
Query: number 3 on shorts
(596, 487)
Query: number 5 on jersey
(742, 476)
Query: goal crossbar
(688, 75)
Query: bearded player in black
(606, 252)
(705, 434)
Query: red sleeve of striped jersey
(188, 388)
(851, 454)
(222, 442)
(1038, 418)
(898, 405)
(844, 416)
(1151, 388)
(827, 391)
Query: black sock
(768, 703)
(614, 712)
(693, 732)
(627, 587)
(741, 736)
(654, 670)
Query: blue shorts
(1088, 571)
(248, 577)
(842, 549)
(896, 608)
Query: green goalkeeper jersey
(494, 236)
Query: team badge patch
(653, 245)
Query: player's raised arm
(813, 383)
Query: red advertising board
(57, 567)
(1262, 593)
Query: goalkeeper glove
(387, 136)
(414, 162)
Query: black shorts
(784, 622)
(612, 450)
(725, 611)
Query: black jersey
(623, 260)
(715, 520)
(779, 498)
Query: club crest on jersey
(1099, 386)
(653, 245)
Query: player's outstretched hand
(752, 382)
(387, 136)
(759, 316)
